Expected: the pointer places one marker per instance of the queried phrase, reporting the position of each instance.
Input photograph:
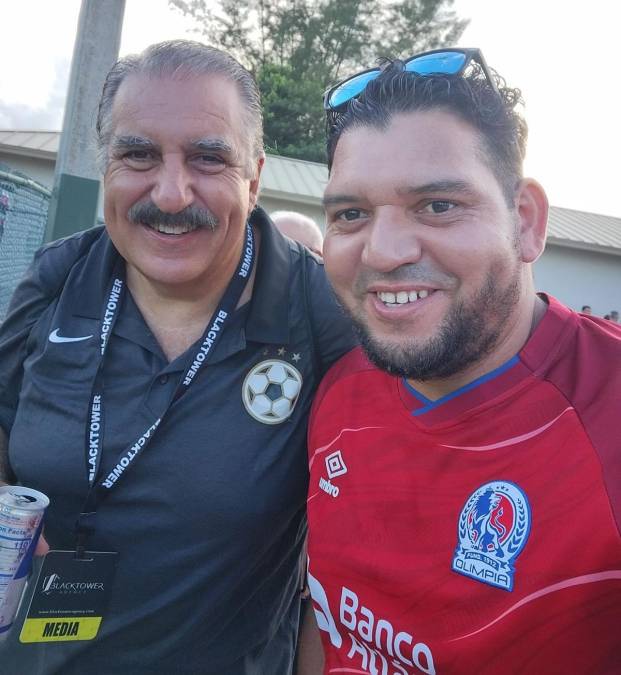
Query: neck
(517, 332)
(177, 315)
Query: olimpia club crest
(493, 528)
(271, 390)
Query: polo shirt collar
(268, 318)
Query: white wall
(579, 278)
(40, 170)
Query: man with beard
(157, 375)
(465, 489)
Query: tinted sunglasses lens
(351, 88)
(446, 63)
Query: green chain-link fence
(23, 214)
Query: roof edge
(583, 246)
(28, 152)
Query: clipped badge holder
(70, 597)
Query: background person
(448, 454)
(179, 333)
(300, 228)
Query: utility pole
(73, 205)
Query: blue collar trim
(431, 405)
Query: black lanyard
(100, 487)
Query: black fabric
(209, 524)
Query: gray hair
(188, 58)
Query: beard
(469, 332)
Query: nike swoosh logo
(55, 337)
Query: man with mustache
(465, 490)
(157, 375)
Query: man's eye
(139, 155)
(348, 214)
(439, 206)
(209, 162)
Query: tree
(297, 48)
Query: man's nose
(393, 240)
(173, 189)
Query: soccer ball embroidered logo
(271, 390)
(493, 528)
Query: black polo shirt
(209, 521)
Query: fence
(23, 213)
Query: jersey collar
(534, 358)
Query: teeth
(402, 297)
(173, 229)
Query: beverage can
(21, 521)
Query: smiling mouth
(401, 298)
(173, 229)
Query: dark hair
(182, 58)
(503, 131)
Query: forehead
(170, 108)
(415, 149)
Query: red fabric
(385, 529)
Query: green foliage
(297, 48)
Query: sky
(562, 56)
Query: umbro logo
(335, 466)
(55, 337)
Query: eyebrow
(125, 142)
(212, 145)
(440, 186)
(335, 199)
(459, 186)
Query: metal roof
(30, 143)
(304, 182)
(581, 229)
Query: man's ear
(254, 184)
(532, 210)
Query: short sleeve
(40, 286)
(29, 301)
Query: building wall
(579, 278)
(40, 170)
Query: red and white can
(21, 520)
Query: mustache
(147, 213)
(421, 272)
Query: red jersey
(479, 533)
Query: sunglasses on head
(435, 62)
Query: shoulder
(587, 354)
(46, 276)
(53, 262)
(348, 371)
